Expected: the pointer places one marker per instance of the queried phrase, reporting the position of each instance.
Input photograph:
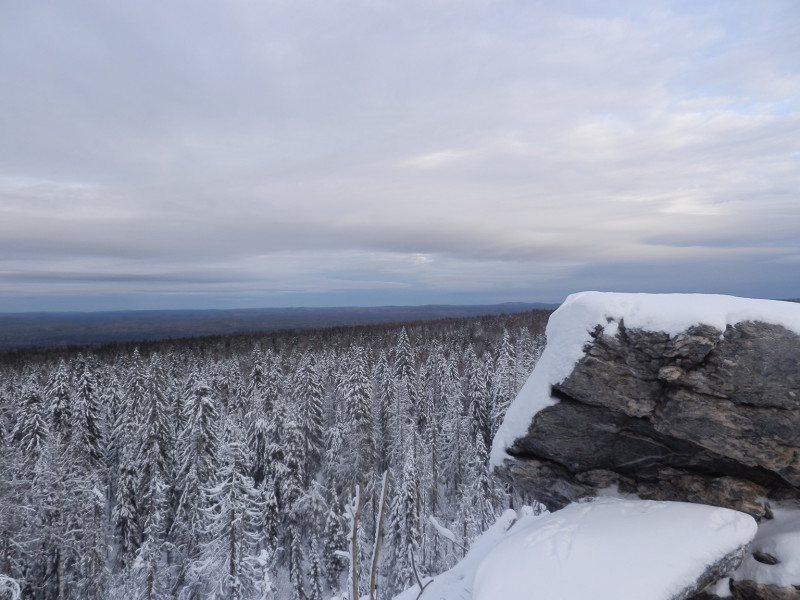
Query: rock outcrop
(707, 413)
(705, 416)
(750, 590)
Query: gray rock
(715, 572)
(704, 416)
(749, 590)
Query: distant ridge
(49, 329)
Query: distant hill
(39, 330)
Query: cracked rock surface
(705, 416)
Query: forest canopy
(227, 467)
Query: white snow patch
(609, 548)
(721, 588)
(779, 537)
(442, 530)
(456, 584)
(569, 327)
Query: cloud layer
(255, 153)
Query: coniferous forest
(255, 466)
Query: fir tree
(359, 446)
(88, 416)
(154, 461)
(295, 563)
(58, 394)
(136, 388)
(31, 431)
(236, 521)
(383, 395)
(196, 475)
(125, 513)
(150, 571)
(315, 572)
(335, 542)
(307, 395)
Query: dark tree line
(226, 467)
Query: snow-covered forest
(247, 466)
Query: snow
(442, 530)
(607, 548)
(456, 584)
(610, 548)
(779, 537)
(569, 327)
(9, 588)
(721, 589)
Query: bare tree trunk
(354, 510)
(416, 572)
(373, 579)
(62, 580)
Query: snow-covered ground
(611, 548)
(456, 584)
(606, 548)
(779, 538)
(569, 328)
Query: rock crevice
(705, 416)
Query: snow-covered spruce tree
(271, 516)
(198, 466)
(31, 431)
(405, 524)
(310, 510)
(403, 416)
(293, 471)
(275, 465)
(201, 439)
(258, 443)
(186, 398)
(383, 407)
(477, 393)
(150, 576)
(480, 494)
(403, 357)
(88, 415)
(136, 387)
(334, 544)
(257, 379)
(307, 395)
(125, 513)
(315, 591)
(505, 383)
(58, 395)
(31, 514)
(294, 563)
(154, 461)
(233, 388)
(69, 523)
(116, 426)
(231, 556)
(273, 382)
(452, 442)
(358, 448)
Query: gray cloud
(447, 147)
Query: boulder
(705, 416)
(684, 398)
(749, 590)
(614, 548)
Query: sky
(210, 154)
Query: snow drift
(620, 549)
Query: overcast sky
(193, 154)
